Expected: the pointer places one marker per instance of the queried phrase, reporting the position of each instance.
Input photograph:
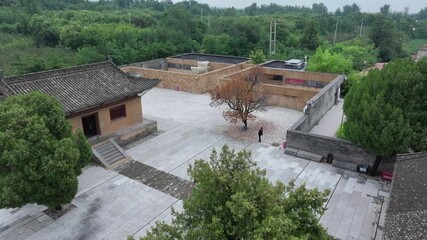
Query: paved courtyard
(112, 204)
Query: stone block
(345, 165)
(291, 151)
(316, 157)
(304, 154)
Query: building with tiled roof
(406, 216)
(98, 98)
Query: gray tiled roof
(82, 87)
(406, 216)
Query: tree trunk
(374, 168)
(58, 208)
(245, 122)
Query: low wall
(208, 81)
(278, 94)
(342, 150)
(159, 63)
(319, 105)
(185, 81)
(187, 64)
(299, 138)
(287, 96)
(170, 80)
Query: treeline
(47, 34)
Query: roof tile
(82, 87)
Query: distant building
(98, 98)
(422, 52)
(292, 64)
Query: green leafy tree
(87, 55)
(257, 56)
(29, 64)
(362, 55)
(310, 36)
(325, 61)
(85, 151)
(385, 9)
(386, 110)
(30, 6)
(217, 44)
(386, 37)
(232, 199)
(39, 157)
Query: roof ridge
(55, 72)
(410, 156)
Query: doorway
(90, 125)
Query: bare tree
(241, 98)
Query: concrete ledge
(130, 134)
(291, 151)
(136, 132)
(316, 157)
(345, 165)
(303, 154)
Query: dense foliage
(40, 158)
(387, 110)
(232, 199)
(38, 35)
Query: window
(118, 112)
(278, 77)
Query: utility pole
(361, 28)
(273, 30)
(336, 29)
(130, 8)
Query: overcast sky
(365, 5)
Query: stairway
(109, 153)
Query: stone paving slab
(347, 188)
(329, 124)
(113, 206)
(162, 181)
(116, 208)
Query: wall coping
(325, 89)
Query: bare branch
(240, 96)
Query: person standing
(260, 132)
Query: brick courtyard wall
(184, 80)
(188, 63)
(159, 63)
(208, 81)
(342, 150)
(279, 95)
(170, 80)
(320, 104)
(298, 136)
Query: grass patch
(413, 45)
(340, 132)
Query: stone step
(114, 157)
(104, 147)
(109, 153)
